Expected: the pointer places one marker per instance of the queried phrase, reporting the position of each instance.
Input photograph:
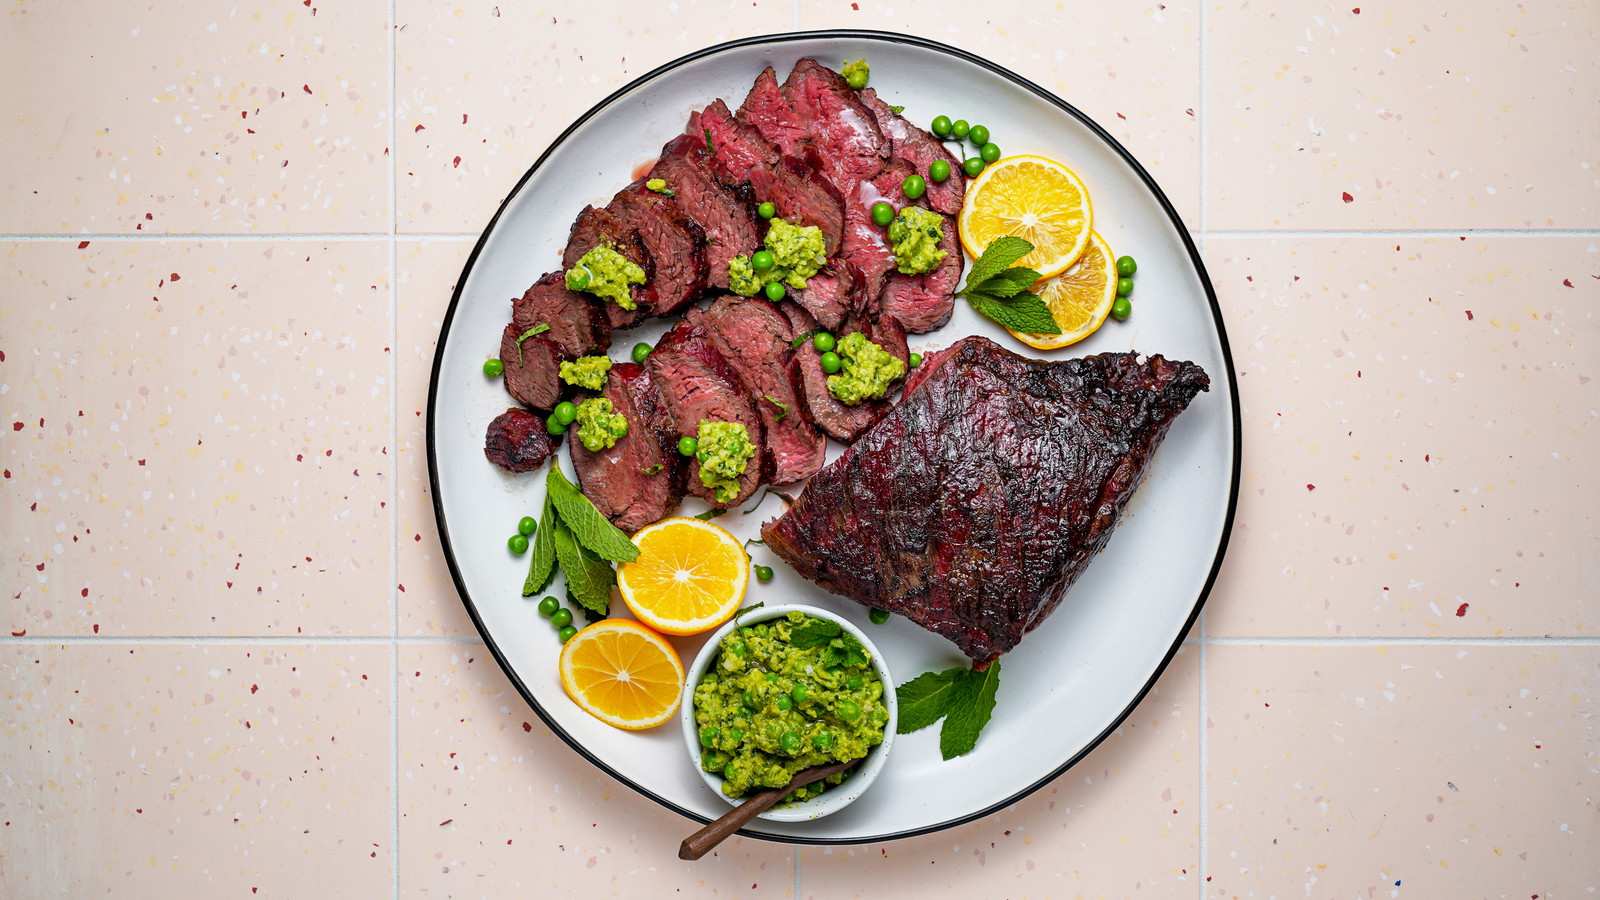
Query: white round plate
(1070, 681)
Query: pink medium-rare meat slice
(696, 383)
(830, 294)
(866, 245)
(639, 480)
(737, 149)
(677, 274)
(842, 131)
(518, 441)
(974, 505)
(753, 336)
(576, 321)
(729, 225)
(767, 110)
(924, 302)
(741, 157)
(921, 149)
(532, 373)
(595, 226)
(839, 420)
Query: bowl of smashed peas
(783, 688)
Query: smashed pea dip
(606, 274)
(599, 426)
(797, 253)
(867, 370)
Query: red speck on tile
(1122, 117)
(402, 588)
(856, 7)
(140, 810)
(417, 129)
(82, 244)
(16, 426)
(96, 625)
(40, 567)
(1346, 197)
(230, 584)
(527, 726)
(1567, 282)
(1469, 315)
(19, 633)
(374, 854)
(456, 163)
(8, 473)
(85, 593)
(173, 277)
(1357, 10)
(446, 822)
(327, 453)
(306, 88)
(1311, 487)
(416, 537)
(1190, 112)
(2, 356)
(141, 462)
(1461, 610)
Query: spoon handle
(701, 842)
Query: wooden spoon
(701, 842)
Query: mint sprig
(963, 698)
(1000, 292)
(574, 537)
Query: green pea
(939, 170)
(1124, 287)
(579, 279)
(783, 703)
(555, 426)
(561, 618)
(959, 129)
(709, 735)
(548, 606)
(641, 352)
(973, 166)
(823, 741)
(526, 525)
(849, 710)
(989, 152)
(749, 699)
(687, 446)
(855, 682)
(565, 412)
(1126, 266)
(771, 677)
(979, 135)
(493, 368)
(941, 126)
(766, 210)
(882, 214)
(799, 692)
(913, 187)
(790, 742)
(878, 616)
(566, 633)
(761, 261)
(914, 360)
(518, 543)
(775, 291)
(1121, 309)
(879, 714)
(736, 735)
(831, 363)
(824, 341)
(737, 648)
(729, 771)
(763, 574)
(857, 79)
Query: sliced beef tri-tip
(724, 216)
(696, 383)
(640, 479)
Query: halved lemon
(1034, 198)
(623, 674)
(690, 576)
(1079, 298)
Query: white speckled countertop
(232, 662)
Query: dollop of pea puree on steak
(599, 426)
(606, 274)
(914, 238)
(785, 695)
(586, 372)
(867, 370)
(724, 450)
(798, 252)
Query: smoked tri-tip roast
(822, 154)
(975, 504)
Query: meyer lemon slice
(623, 674)
(1079, 298)
(1034, 198)
(690, 576)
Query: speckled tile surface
(233, 661)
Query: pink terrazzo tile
(196, 438)
(429, 604)
(1458, 115)
(1135, 71)
(1419, 770)
(1123, 822)
(483, 86)
(1419, 446)
(195, 117)
(171, 770)
(492, 804)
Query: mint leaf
(795, 344)
(542, 567)
(653, 470)
(709, 149)
(996, 258)
(540, 328)
(589, 578)
(710, 514)
(897, 110)
(1025, 312)
(587, 525)
(925, 699)
(783, 408)
(969, 711)
(844, 650)
(1009, 283)
(813, 633)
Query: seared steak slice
(866, 245)
(742, 157)
(923, 303)
(696, 383)
(577, 322)
(517, 441)
(840, 421)
(595, 226)
(678, 271)
(975, 505)
(730, 228)
(640, 479)
(841, 129)
(532, 368)
(768, 111)
(918, 147)
(753, 337)
(830, 294)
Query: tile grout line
(394, 442)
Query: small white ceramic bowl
(833, 799)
